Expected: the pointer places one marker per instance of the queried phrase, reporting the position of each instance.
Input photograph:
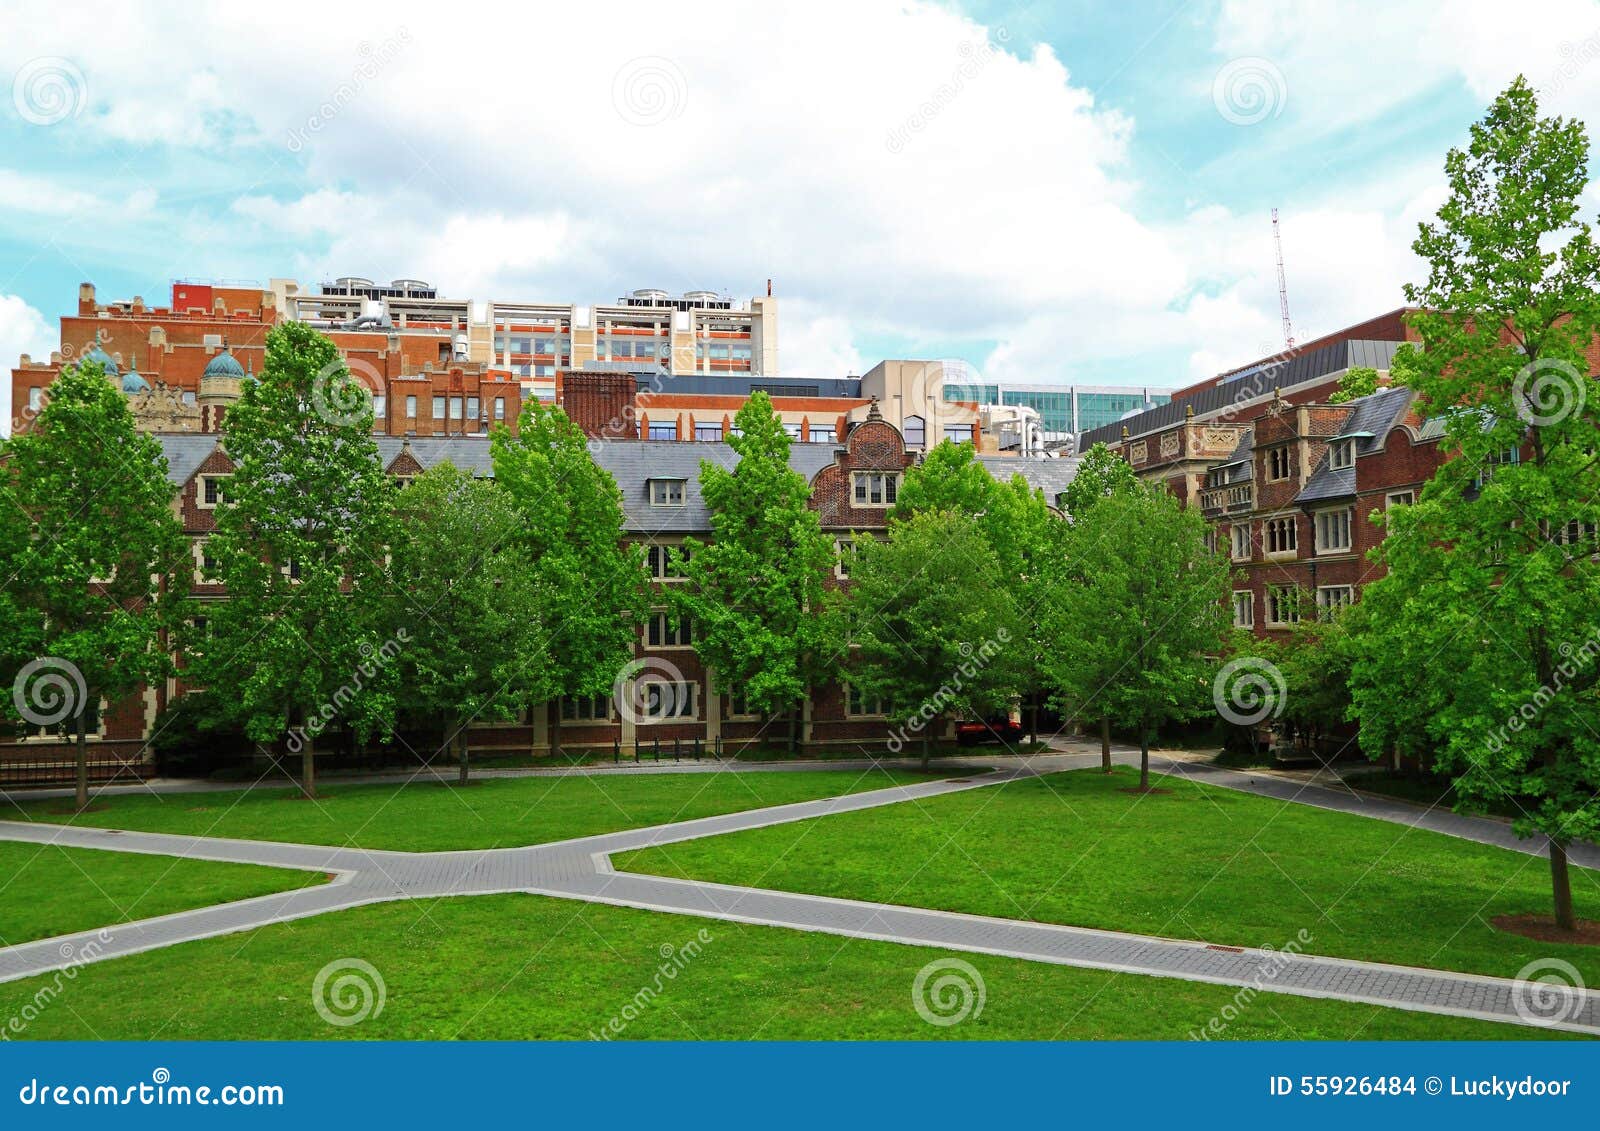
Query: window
(667, 630)
(586, 708)
(793, 431)
(828, 435)
(199, 634)
(1278, 463)
(1575, 534)
(380, 406)
(205, 566)
(455, 408)
(667, 492)
(1282, 536)
(1241, 542)
(845, 549)
(1244, 609)
(499, 408)
(666, 562)
(210, 493)
(1342, 454)
(1332, 598)
(958, 433)
(1401, 498)
(1333, 531)
(663, 431)
(668, 700)
(94, 717)
(708, 433)
(411, 408)
(740, 707)
(916, 432)
(1486, 472)
(35, 397)
(876, 488)
(1283, 605)
(858, 704)
(472, 408)
(438, 408)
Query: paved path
(581, 869)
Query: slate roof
(1371, 421)
(1048, 475)
(185, 452)
(632, 463)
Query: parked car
(996, 728)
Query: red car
(1000, 728)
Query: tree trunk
(463, 755)
(927, 748)
(83, 756)
(308, 767)
(1394, 759)
(1033, 719)
(1561, 886)
(1144, 760)
(1105, 746)
(794, 731)
(555, 733)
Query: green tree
(1358, 381)
(1101, 473)
(96, 565)
(1139, 614)
(1492, 587)
(946, 643)
(755, 592)
(300, 539)
(478, 642)
(948, 478)
(591, 583)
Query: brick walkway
(581, 869)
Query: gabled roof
(185, 453)
(469, 453)
(1370, 421)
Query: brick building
(853, 485)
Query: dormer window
(667, 492)
(1342, 454)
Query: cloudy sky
(1067, 192)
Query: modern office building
(1064, 410)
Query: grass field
(519, 967)
(1194, 862)
(491, 813)
(46, 890)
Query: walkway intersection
(581, 870)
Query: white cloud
(902, 171)
(22, 331)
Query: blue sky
(1058, 192)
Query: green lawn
(1197, 862)
(492, 813)
(46, 890)
(520, 967)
